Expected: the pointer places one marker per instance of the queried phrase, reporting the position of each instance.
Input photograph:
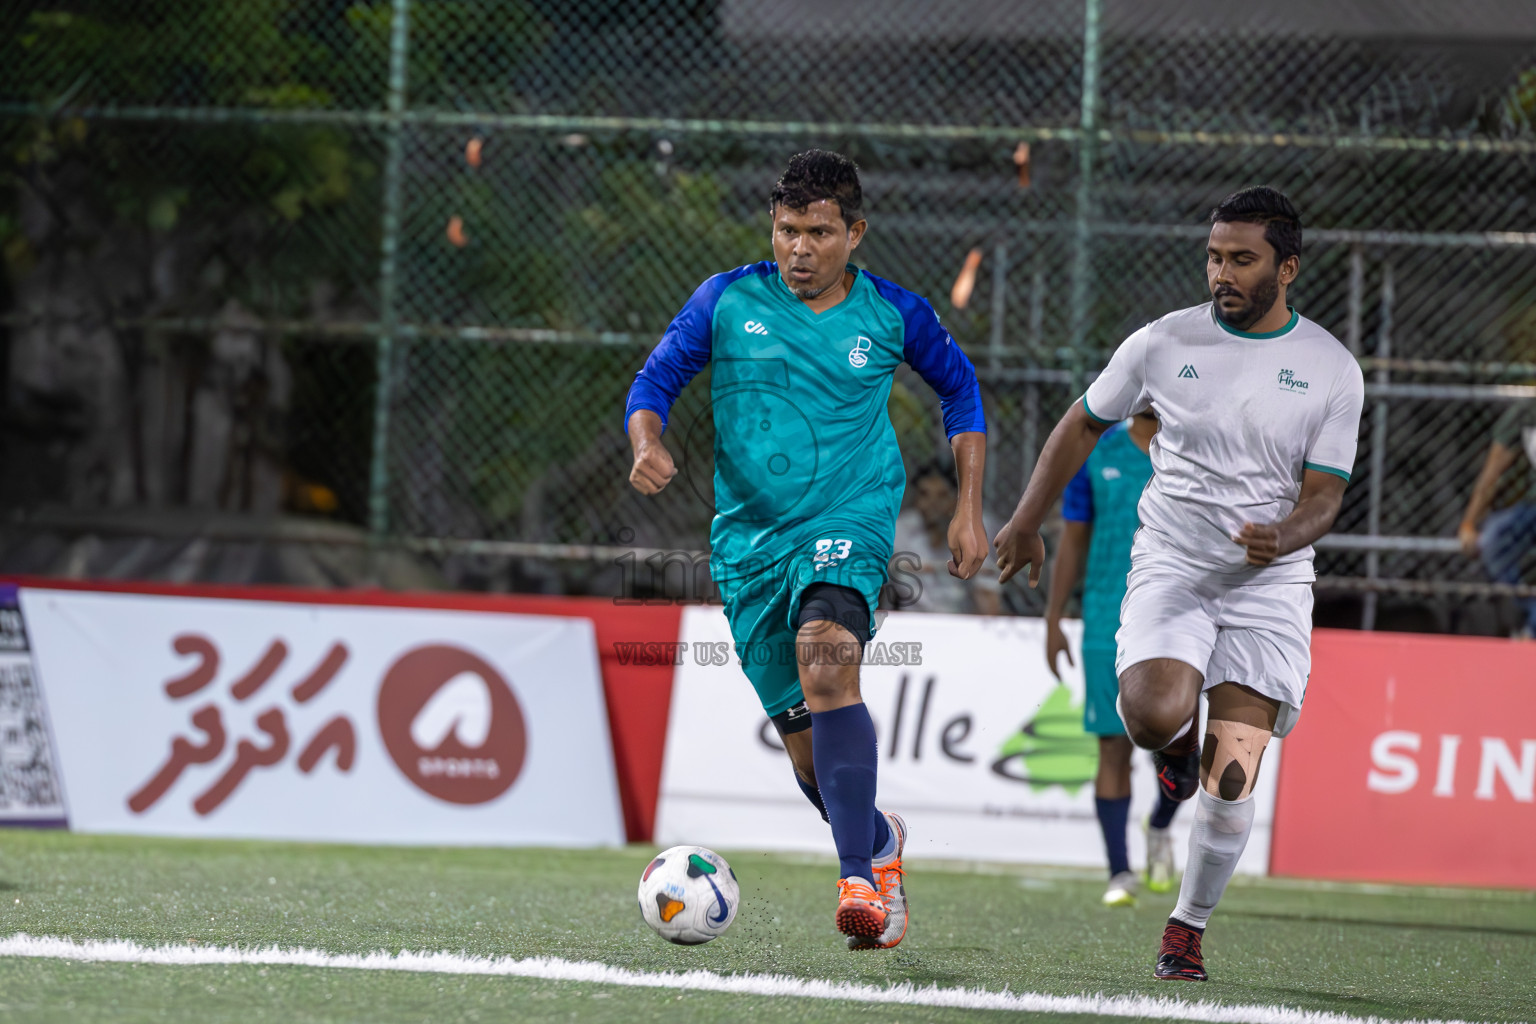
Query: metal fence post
(1032, 390)
(1356, 298)
(999, 304)
(1378, 447)
(378, 482)
(1082, 256)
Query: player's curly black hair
(820, 174)
(1261, 204)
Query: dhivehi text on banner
(201, 716)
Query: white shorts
(1256, 634)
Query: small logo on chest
(753, 327)
(859, 354)
(1110, 473)
(1188, 373)
(1287, 382)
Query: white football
(688, 895)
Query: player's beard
(1259, 303)
(807, 294)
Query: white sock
(1215, 843)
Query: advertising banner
(274, 719)
(980, 749)
(1415, 761)
(30, 789)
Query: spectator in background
(1503, 537)
(922, 533)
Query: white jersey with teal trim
(1242, 417)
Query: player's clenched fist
(653, 468)
(967, 545)
(1017, 548)
(1262, 542)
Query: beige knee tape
(1230, 761)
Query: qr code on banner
(29, 780)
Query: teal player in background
(1098, 510)
(808, 483)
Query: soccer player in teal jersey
(808, 483)
(1098, 510)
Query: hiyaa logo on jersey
(858, 355)
(1288, 382)
(753, 327)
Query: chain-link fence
(394, 264)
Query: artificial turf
(1387, 951)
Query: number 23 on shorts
(829, 550)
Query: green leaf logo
(1051, 749)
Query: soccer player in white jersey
(1260, 409)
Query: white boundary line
(552, 969)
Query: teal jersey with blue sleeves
(804, 447)
(1104, 494)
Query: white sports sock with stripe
(1216, 842)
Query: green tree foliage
(1519, 107)
(651, 238)
(636, 251)
(272, 206)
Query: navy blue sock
(843, 751)
(813, 795)
(1112, 817)
(1162, 814)
(883, 838)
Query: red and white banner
(215, 717)
(462, 719)
(1415, 761)
(981, 749)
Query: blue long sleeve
(683, 350)
(1077, 499)
(931, 351)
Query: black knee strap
(833, 602)
(792, 720)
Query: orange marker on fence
(965, 281)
